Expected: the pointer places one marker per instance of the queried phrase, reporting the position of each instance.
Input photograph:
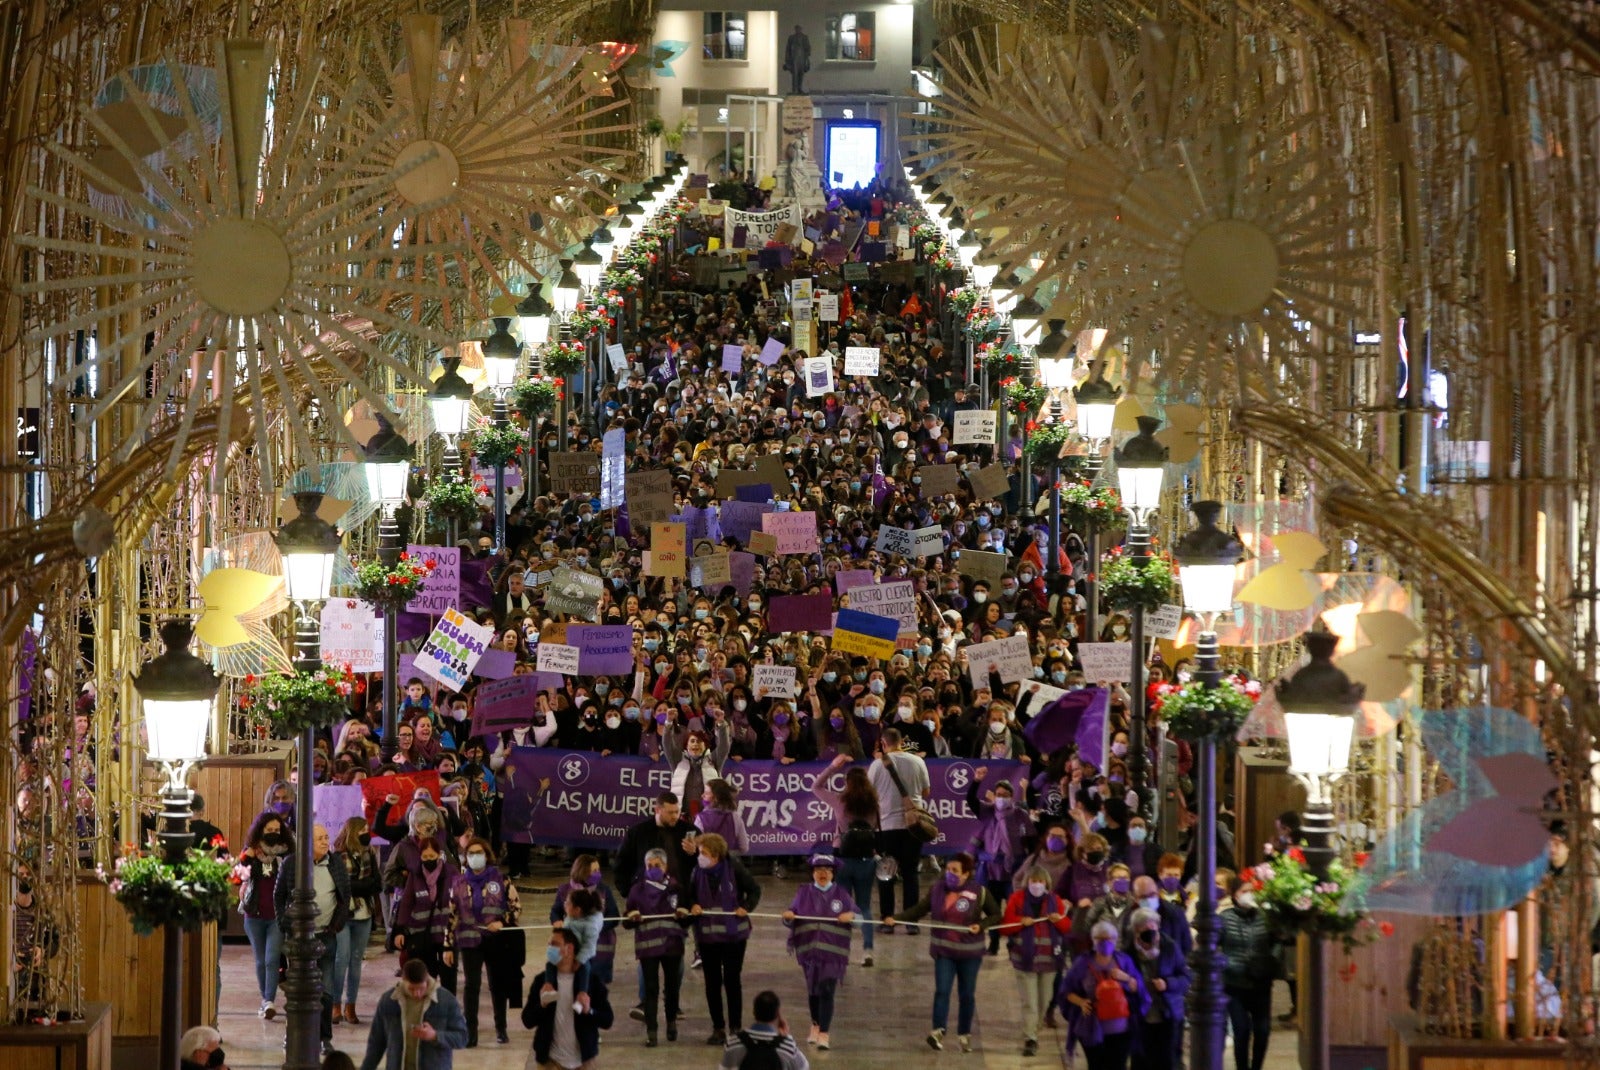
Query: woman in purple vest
(720, 895)
(719, 813)
(483, 901)
(821, 947)
(422, 913)
(658, 941)
(1104, 998)
(586, 874)
(961, 908)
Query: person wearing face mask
(997, 846)
(1104, 997)
(425, 823)
(1165, 972)
(963, 909)
(1084, 882)
(485, 903)
(354, 844)
(422, 921)
(822, 948)
(720, 896)
(1000, 739)
(699, 762)
(1174, 921)
(200, 1048)
(585, 874)
(1142, 857)
(267, 844)
(279, 799)
(658, 943)
(1036, 927)
(1117, 901)
(563, 1037)
(1250, 965)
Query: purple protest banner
(495, 665)
(753, 492)
(733, 359)
(501, 704)
(592, 801)
(800, 612)
(740, 518)
(742, 566)
(602, 648)
(441, 588)
(846, 578)
(771, 352)
(334, 804)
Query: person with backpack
(821, 947)
(855, 840)
(1103, 997)
(1036, 927)
(963, 908)
(766, 1045)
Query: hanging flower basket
(1127, 585)
(1295, 901)
(497, 445)
(1195, 712)
(299, 700)
(453, 498)
(187, 895)
(1022, 400)
(623, 277)
(391, 588)
(1003, 362)
(535, 395)
(1044, 444)
(1083, 505)
(963, 300)
(982, 324)
(562, 358)
(587, 320)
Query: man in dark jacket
(419, 1015)
(666, 829)
(330, 883)
(552, 998)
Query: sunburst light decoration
(236, 273)
(1203, 217)
(485, 133)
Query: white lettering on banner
(1106, 662)
(1163, 623)
(975, 427)
(558, 657)
(350, 635)
(861, 360)
(773, 681)
(759, 227)
(897, 601)
(1009, 657)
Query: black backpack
(760, 1054)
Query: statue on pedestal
(797, 59)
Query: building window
(725, 36)
(851, 36)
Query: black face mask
(365, 839)
(430, 864)
(216, 1058)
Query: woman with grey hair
(1104, 998)
(201, 1049)
(1165, 973)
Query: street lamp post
(1207, 557)
(1097, 408)
(1025, 324)
(589, 266)
(308, 545)
(450, 400)
(1141, 470)
(1319, 705)
(502, 355)
(1055, 372)
(178, 692)
(533, 323)
(388, 468)
(565, 295)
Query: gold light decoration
(484, 136)
(231, 271)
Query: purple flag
(1072, 718)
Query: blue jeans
(352, 942)
(266, 941)
(964, 972)
(858, 875)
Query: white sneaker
(936, 1040)
(966, 1043)
(268, 1011)
(816, 1031)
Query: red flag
(912, 307)
(846, 306)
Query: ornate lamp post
(388, 469)
(178, 693)
(533, 323)
(1055, 372)
(1206, 559)
(450, 400)
(565, 295)
(1097, 408)
(1319, 705)
(502, 359)
(1141, 469)
(309, 546)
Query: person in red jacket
(1035, 926)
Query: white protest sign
(776, 681)
(828, 308)
(920, 542)
(819, 376)
(1039, 695)
(1009, 657)
(558, 657)
(800, 290)
(896, 600)
(800, 309)
(976, 427)
(350, 635)
(861, 360)
(1106, 662)
(618, 357)
(450, 652)
(1163, 623)
(759, 227)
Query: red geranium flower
(1298, 855)
(1386, 928)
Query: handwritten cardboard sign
(649, 496)
(558, 657)
(574, 592)
(1106, 662)
(764, 544)
(1163, 623)
(796, 532)
(982, 565)
(1009, 657)
(711, 572)
(975, 427)
(575, 473)
(350, 635)
(602, 648)
(861, 360)
(990, 482)
(919, 542)
(668, 548)
(939, 479)
(896, 600)
(454, 647)
(773, 681)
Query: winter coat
(386, 1039)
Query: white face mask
(1245, 899)
(997, 727)
(1150, 902)
(1036, 889)
(477, 861)
(613, 722)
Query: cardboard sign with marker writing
(575, 473)
(796, 532)
(1163, 623)
(861, 360)
(1106, 662)
(975, 427)
(711, 572)
(649, 496)
(1009, 656)
(982, 565)
(667, 551)
(990, 482)
(558, 657)
(574, 592)
(763, 543)
(939, 479)
(773, 681)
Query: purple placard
(408, 669)
(733, 359)
(771, 352)
(495, 665)
(547, 681)
(441, 589)
(740, 518)
(602, 648)
(697, 523)
(742, 567)
(592, 800)
(847, 578)
(334, 804)
(800, 612)
(753, 492)
(502, 704)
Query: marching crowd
(1064, 876)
